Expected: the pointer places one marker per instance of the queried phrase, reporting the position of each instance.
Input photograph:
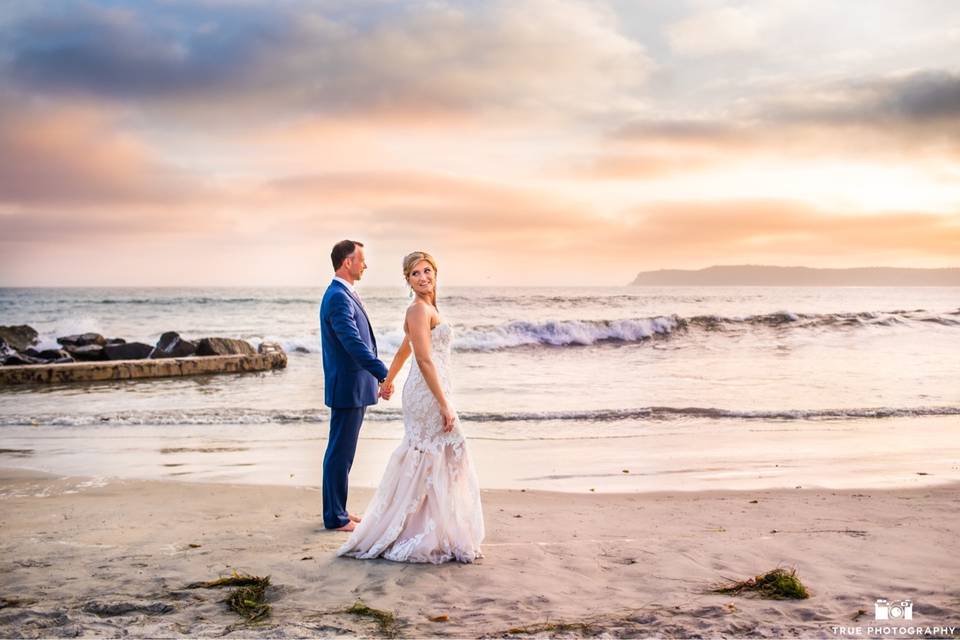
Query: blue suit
(351, 373)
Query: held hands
(386, 390)
(449, 417)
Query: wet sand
(106, 558)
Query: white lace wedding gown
(427, 507)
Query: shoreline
(692, 456)
(93, 558)
(18, 475)
(917, 483)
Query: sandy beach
(95, 558)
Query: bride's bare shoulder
(417, 312)
(421, 314)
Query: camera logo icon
(899, 610)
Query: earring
(410, 292)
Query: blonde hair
(411, 260)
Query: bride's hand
(449, 417)
(386, 390)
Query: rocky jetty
(91, 356)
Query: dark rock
(21, 358)
(82, 340)
(128, 351)
(50, 354)
(224, 347)
(86, 352)
(171, 345)
(116, 341)
(47, 356)
(6, 350)
(19, 337)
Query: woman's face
(422, 278)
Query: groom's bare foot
(350, 526)
(353, 518)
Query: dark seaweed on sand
(247, 599)
(386, 620)
(779, 584)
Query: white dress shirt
(349, 286)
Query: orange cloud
(641, 166)
(76, 155)
(721, 231)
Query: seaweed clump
(386, 620)
(779, 584)
(247, 599)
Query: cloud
(679, 130)
(462, 213)
(639, 166)
(918, 98)
(77, 155)
(294, 220)
(110, 52)
(374, 187)
(416, 59)
(452, 208)
(914, 115)
(29, 226)
(714, 231)
(716, 31)
(520, 137)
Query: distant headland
(748, 274)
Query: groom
(351, 373)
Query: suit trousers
(341, 447)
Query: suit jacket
(351, 369)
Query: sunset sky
(524, 142)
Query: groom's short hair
(341, 250)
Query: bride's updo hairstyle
(411, 260)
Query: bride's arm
(398, 360)
(418, 321)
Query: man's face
(355, 263)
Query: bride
(427, 507)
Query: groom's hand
(386, 390)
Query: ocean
(607, 388)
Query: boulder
(19, 337)
(6, 349)
(86, 352)
(9, 355)
(128, 351)
(116, 341)
(171, 345)
(22, 358)
(51, 355)
(224, 347)
(82, 340)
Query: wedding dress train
(427, 507)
